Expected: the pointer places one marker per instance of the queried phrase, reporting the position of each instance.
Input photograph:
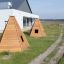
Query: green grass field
(37, 46)
(61, 61)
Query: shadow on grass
(27, 33)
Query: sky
(48, 9)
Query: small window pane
(36, 30)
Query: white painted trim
(5, 13)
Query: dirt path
(41, 57)
(55, 59)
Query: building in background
(18, 8)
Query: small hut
(37, 29)
(13, 39)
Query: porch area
(27, 23)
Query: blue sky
(48, 9)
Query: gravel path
(41, 57)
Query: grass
(37, 46)
(61, 61)
(46, 61)
(50, 56)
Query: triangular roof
(13, 39)
(22, 5)
(37, 29)
(29, 5)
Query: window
(36, 30)
(9, 5)
(22, 39)
(24, 21)
(5, 5)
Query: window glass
(5, 5)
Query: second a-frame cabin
(37, 29)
